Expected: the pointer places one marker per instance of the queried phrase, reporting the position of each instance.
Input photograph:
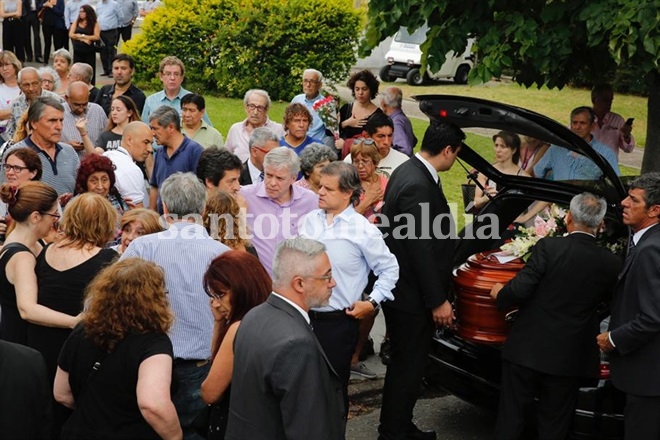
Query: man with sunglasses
(257, 103)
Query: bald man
(135, 147)
(81, 118)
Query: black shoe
(417, 434)
(385, 352)
(40, 60)
(28, 59)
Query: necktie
(261, 177)
(631, 248)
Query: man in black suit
(634, 337)
(421, 241)
(283, 386)
(550, 344)
(262, 140)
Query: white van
(404, 60)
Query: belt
(182, 362)
(335, 314)
(12, 19)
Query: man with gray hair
(59, 161)
(403, 138)
(356, 248)
(257, 103)
(262, 141)
(282, 384)
(184, 251)
(29, 82)
(312, 82)
(175, 152)
(84, 72)
(551, 343)
(275, 206)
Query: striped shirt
(184, 251)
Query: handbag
(98, 45)
(211, 422)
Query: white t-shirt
(129, 178)
(7, 95)
(388, 164)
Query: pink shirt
(610, 135)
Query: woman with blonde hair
(65, 268)
(136, 223)
(34, 210)
(222, 220)
(9, 90)
(115, 370)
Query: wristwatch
(374, 303)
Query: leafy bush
(230, 46)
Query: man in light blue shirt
(172, 73)
(312, 82)
(130, 11)
(71, 9)
(184, 251)
(355, 248)
(110, 17)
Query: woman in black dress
(83, 33)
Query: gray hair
(166, 115)
(349, 180)
(283, 157)
(260, 136)
(313, 154)
(318, 74)
(650, 184)
(584, 109)
(256, 92)
(588, 210)
(294, 256)
(19, 77)
(38, 107)
(183, 194)
(51, 72)
(84, 71)
(64, 54)
(392, 97)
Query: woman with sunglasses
(34, 209)
(236, 282)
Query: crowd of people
(154, 267)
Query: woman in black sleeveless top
(83, 33)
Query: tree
(539, 42)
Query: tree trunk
(651, 160)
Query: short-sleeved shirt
(207, 136)
(308, 140)
(96, 123)
(317, 128)
(108, 140)
(159, 99)
(238, 139)
(108, 407)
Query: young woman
(123, 111)
(83, 33)
(9, 67)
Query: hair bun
(8, 194)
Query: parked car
(404, 60)
(471, 369)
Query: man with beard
(123, 69)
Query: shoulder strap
(12, 248)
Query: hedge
(230, 46)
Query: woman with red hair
(97, 174)
(236, 282)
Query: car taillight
(604, 370)
(443, 113)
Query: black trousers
(32, 31)
(338, 338)
(126, 33)
(410, 341)
(13, 33)
(89, 58)
(557, 398)
(58, 38)
(642, 417)
(111, 39)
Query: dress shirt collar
(295, 306)
(295, 191)
(638, 235)
(254, 172)
(427, 164)
(583, 232)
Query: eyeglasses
(48, 81)
(213, 294)
(365, 141)
(327, 277)
(56, 216)
(172, 74)
(259, 108)
(263, 150)
(310, 81)
(14, 168)
(363, 162)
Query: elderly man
(219, 169)
(29, 82)
(275, 206)
(355, 247)
(84, 72)
(380, 129)
(610, 128)
(135, 147)
(559, 163)
(296, 124)
(77, 107)
(633, 339)
(262, 141)
(59, 161)
(404, 139)
(282, 384)
(172, 73)
(123, 69)
(312, 81)
(551, 343)
(193, 111)
(257, 103)
(184, 251)
(110, 17)
(177, 152)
